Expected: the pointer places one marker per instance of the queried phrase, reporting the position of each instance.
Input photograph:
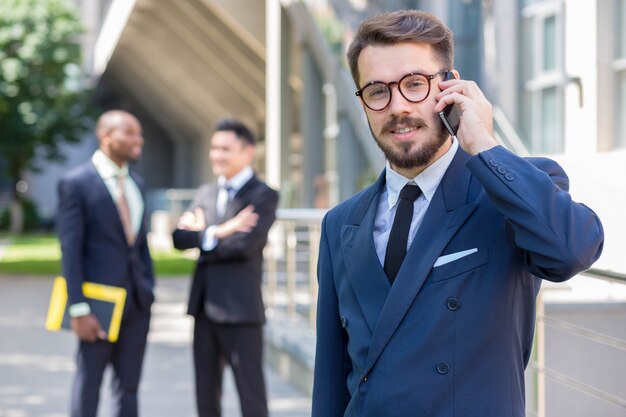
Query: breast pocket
(457, 267)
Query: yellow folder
(106, 303)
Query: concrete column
(606, 82)
(273, 89)
(312, 127)
(331, 133)
(353, 166)
(286, 109)
(580, 48)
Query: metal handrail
(585, 333)
(295, 232)
(606, 274)
(538, 364)
(578, 385)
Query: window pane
(550, 121)
(549, 43)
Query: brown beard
(404, 158)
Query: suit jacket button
(443, 368)
(493, 163)
(453, 304)
(509, 176)
(502, 170)
(343, 322)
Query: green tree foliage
(42, 99)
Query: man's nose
(398, 104)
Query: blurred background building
(555, 71)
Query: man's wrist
(484, 145)
(79, 309)
(209, 240)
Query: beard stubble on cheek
(407, 155)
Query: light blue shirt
(109, 171)
(428, 180)
(234, 185)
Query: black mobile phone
(451, 115)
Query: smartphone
(451, 115)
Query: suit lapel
(140, 186)
(102, 189)
(234, 205)
(366, 275)
(447, 211)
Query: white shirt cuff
(209, 242)
(79, 310)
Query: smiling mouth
(404, 129)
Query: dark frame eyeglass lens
(413, 87)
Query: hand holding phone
(451, 115)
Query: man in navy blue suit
(428, 278)
(101, 226)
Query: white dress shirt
(428, 181)
(109, 172)
(223, 197)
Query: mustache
(405, 121)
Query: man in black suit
(229, 221)
(101, 226)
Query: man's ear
(250, 151)
(456, 74)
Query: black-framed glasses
(414, 87)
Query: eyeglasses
(414, 87)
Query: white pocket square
(445, 259)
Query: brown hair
(402, 26)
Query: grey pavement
(36, 366)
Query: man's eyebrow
(415, 71)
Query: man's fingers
(451, 98)
(248, 210)
(186, 220)
(199, 215)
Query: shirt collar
(238, 181)
(428, 180)
(106, 167)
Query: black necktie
(396, 246)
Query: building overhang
(187, 63)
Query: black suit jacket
(227, 279)
(93, 242)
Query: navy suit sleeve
(557, 237)
(71, 231)
(330, 391)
